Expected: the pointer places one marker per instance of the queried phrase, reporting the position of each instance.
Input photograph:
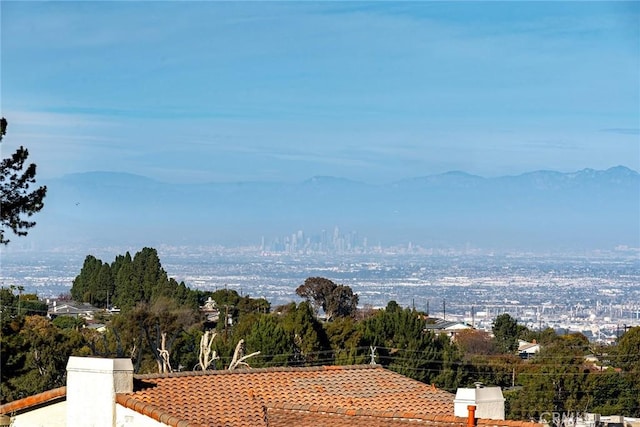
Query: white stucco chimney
(92, 384)
(489, 402)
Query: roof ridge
(34, 400)
(259, 370)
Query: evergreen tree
(344, 337)
(505, 330)
(627, 351)
(17, 200)
(272, 341)
(403, 345)
(104, 287)
(149, 274)
(85, 285)
(309, 338)
(128, 290)
(119, 262)
(614, 393)
(554, 380)
(246, 304)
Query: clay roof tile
(242, 395)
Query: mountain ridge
(618, 170)
(586, 208)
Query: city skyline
(539, 211)
(595, 295)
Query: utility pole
(473, 317)
(20, 289)
(444, 309)
(226, 316)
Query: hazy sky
(373, 91)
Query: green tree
(451, 373)
(505, 330)
(272, 341)
(34, 356)
(226, 297)
(123, 339)
(496, 370)
(344, 337)
(309, 339)
(149, 274)
(227, 301)
(544, 337)
(342, 302)
(30, 304)
(18, 201)
(335, 300)
(554, 380)
(127, 290)
(161, 324)
(246, 304)
(612, 393)
(120, 261)
(69, 322)
(104, 287)
(128, 281)
(8, 303)
(21, 304)
(627, 351)
(403, 345)
(85, 285)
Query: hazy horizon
(542, 211)
(193, 93)
(309, 178)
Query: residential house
(441, 326)
(72, 309)
(527, 350)
(210, 311)
(104, 392)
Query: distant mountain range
(538, 210)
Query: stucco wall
(54, 415)
(126, 417)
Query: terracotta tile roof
(303, 416)
(241, 397)
(294, 415)
(331, 396)
(49, 396)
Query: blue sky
(283, 91)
